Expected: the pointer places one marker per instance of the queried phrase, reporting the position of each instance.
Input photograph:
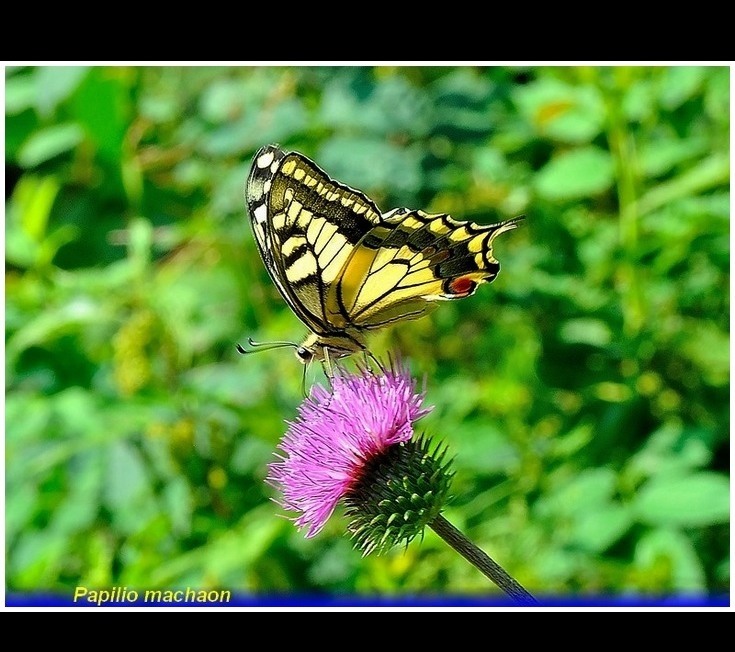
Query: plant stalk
(487, 566)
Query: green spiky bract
(398, 494)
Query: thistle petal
(337, 434)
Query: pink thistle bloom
(336, 434)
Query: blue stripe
(246, 600)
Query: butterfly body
(344, 267)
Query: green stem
(489, 568)
(623, 151)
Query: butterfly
(344, 267)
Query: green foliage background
(584, 394)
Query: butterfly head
(304, 354)
(335, 346)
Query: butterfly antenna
(377, 362)
(264, 346)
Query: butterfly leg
(303, 379)
(327, 364)
(376, 361)
(368, 359)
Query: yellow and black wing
(306, 226)
(411, 260)
(342, 265)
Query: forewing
(306, 226)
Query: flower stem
(481, 561)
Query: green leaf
(561, 111)
(81, 505)
(671, 554)
(576, 174)
(391, 106)
(28, 214)
(680, 83)
(717, 95)
(597, 530)
(639, 100)
(126, 476)
(372, 163)
(20, 94)
(54, 323)
(713, 171)
(36, 559)
(21, 505)
(102, 107)
(586, 331)
(708, 348)
(671, 450)
(54, 84)
(179, 505)
(251, 455)
(26, 419)
(223, 100)
(659, 156)
(587, 491)
(47, 143)
(695, 500)
(33, 200)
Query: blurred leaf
(49, 142)
(36, 559)
(694, 500)
(663, 154)
(560, 111)
(675, 552)
(20, 509)
(28, 214)
(597, 531)
(126, 476)
(227, 383)
(252, 130)
(233, 551)
(55, 84)
(198, 304)
(671, 450)
(485, 449)
(102, 108)
(353, 160)
(717, 95)
(140, 234)
(679, 83)
(461, 103)
(179, 505)
(576, 174)
(708, 348)
(711, 172)
(392, 105)
(585, 331)
(251, 455)
(52, 324)
(586, 492)
(222, 101)
(80, 507)
(20, 94)
(26, 418)
(639, 101)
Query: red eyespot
(462, 285)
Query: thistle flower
(355, 443)
(338, 437)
